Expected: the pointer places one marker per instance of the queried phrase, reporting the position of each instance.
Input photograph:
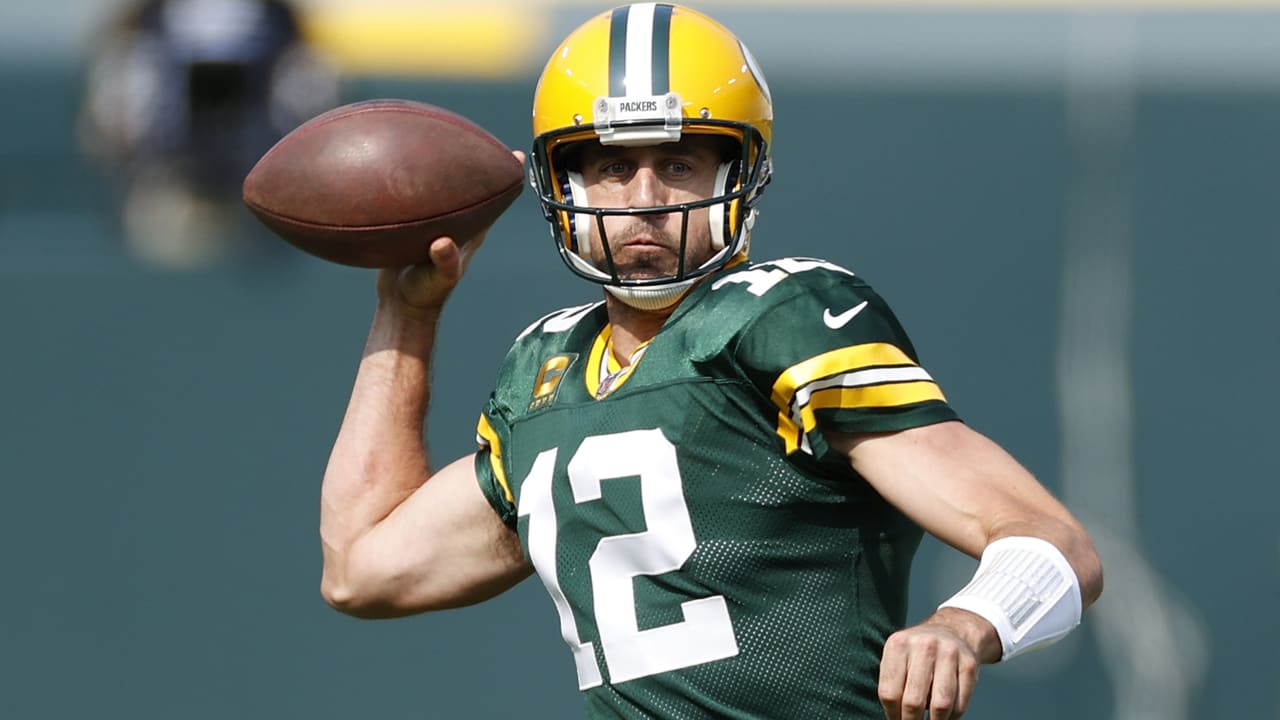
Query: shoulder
(565, 330)
(566, 333)
(794, 294)
(794, 309)
(786, 277)
(559, 324)
(828, 352)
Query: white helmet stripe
(639, 50)
(639, 73)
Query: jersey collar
(604, 373)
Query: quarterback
(721, 468)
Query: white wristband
(1025, 588)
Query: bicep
(957, 484)
(443, 547)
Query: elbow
(1084, 559)
(1074, 542)
(350, 600)
(1076, 545)
(341, 596)
(335, 583)
(1096, 587)
(357, 596)
(374, 587)
(1090, 574)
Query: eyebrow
(603, 152)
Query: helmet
(645, 74)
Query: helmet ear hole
(576, 227)
(579, 227)
(721, 216)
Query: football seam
(385, 104)
(385, 226)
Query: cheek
(602, 195)
(699, 228)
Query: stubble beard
(633, 264)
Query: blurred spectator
(183, 96)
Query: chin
(644, 272)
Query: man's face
(648, 246)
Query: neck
(632, 327)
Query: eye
(615, 168)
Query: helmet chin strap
(651, 298)
(661, 297)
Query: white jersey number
(705, 634)
(762, 278)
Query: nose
(647, 189)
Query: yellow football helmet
(644, 74)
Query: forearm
(969, 492)
(379, 457)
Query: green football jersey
(708, 553)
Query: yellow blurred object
(503, 39)
(474, 40)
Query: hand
(933, 666)
(421, 290)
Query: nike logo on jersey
(835, 322)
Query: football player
(720, 470)
(182, 97)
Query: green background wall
(163, 435)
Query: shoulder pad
(759, 278)
(561, 320)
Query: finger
(967, 679)
(916, 690)
(427, 284)
(942, 699)
(519, 155)
(446, 258)
(893, 677)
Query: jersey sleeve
(491, 471)
(830, 354)
(513, 389)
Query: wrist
(399, 326)
(976, 631)
(401, 307)
(1026, 589)
(412, 295)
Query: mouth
(643, 243)
(645, 248)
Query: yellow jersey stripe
(486, 432)
(592, 372)
(840, 360)
(793, 430)
(872, 375)
(602, 364)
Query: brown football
(372, 183)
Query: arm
(966, 490)
(398, 539)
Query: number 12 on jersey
(705, 634)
